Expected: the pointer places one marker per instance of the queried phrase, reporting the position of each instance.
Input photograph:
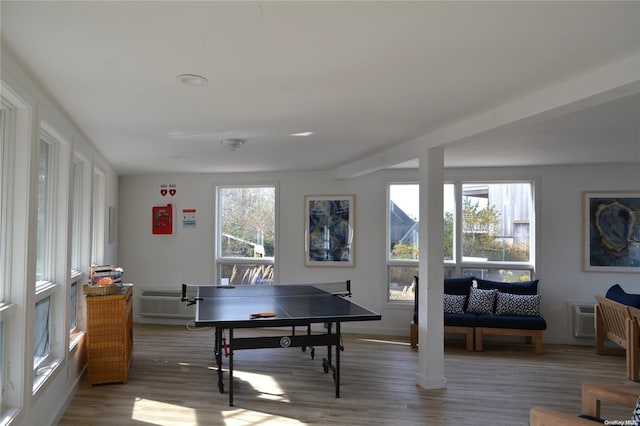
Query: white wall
(159, 261)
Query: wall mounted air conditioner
(583, 321)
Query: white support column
(430, 373)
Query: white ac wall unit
(583, 321)
(165, 304)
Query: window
(2, 382)
(77, 204)
(15, 119)
(45, 249)
(246, 234)
(449, 222)
(45, 213)
(4, 146)
(73, 306)
(99, 207)
(497, 224)
(403, 224)
(42, 336)
(488, 233)
(52, 247)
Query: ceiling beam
(598, 86)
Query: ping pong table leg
(218, 355)
(231, 367)
(336, 376)
(327, 362)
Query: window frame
(53, 287)
(99, 207)
(456, 266)
(17, 146)
(76, 215)
(392, 263)
(222, 262)
(460, 264)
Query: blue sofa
(476, 307)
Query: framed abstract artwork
(612, 231)
(329, 230)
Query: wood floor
(172, 382)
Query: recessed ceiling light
(301, 134)
(192, 79)
(233, 144)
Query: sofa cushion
(460, 320)
(518, 304)
(481, 301)
(635, 418)
(616, 293)
(511, 321)
(454, 303)
(458, 285)
(523, 287)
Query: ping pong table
(285, 305)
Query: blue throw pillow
(481, 301)
(458, 286)
(617, 294)
(454, 303)
(522, 287)
(518, 304)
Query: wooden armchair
(593, 394)
(614, 322)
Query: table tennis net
(190, 292)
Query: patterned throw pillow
(516, 304)
(454, 303)
(635, 419)
(481, 301)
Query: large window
(45, 250)
(44, 264)
(77, 208)
(51, 246)
(246, 234)
(403, 223)
(99, 208)
(4, 146)
(79, 246)
(488, 233)
(14, 156)
(497, 225)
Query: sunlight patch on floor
(266, 386)
(144, 410)
(388, 342)
(250, 418)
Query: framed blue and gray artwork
(329, 230)
(612, 231)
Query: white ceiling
(366, 77)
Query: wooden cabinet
(109, 336)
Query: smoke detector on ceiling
(232, 144)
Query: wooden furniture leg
(414, 335)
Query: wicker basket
(99, 290)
